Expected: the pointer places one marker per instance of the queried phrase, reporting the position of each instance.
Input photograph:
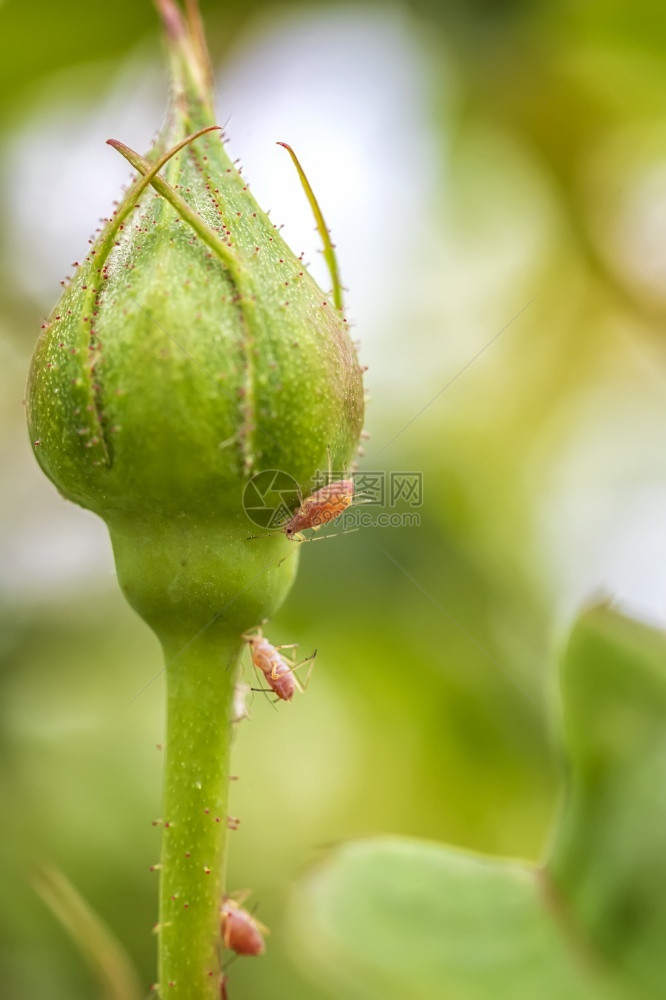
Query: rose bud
(190, 350)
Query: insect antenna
(324, 538)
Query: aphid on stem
(241, 932)
(275, 667)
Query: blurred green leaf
(609, 858)
(393, 918)
(107, 958)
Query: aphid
(321, 507)
(279, 673)
(240, 931)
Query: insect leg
(308, 659)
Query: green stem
(200, 685)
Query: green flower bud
(190, 350)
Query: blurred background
(494, 175)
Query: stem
(191, 73)
(200, 685)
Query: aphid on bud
(321, 507)
(240, 931)
(277, 670)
